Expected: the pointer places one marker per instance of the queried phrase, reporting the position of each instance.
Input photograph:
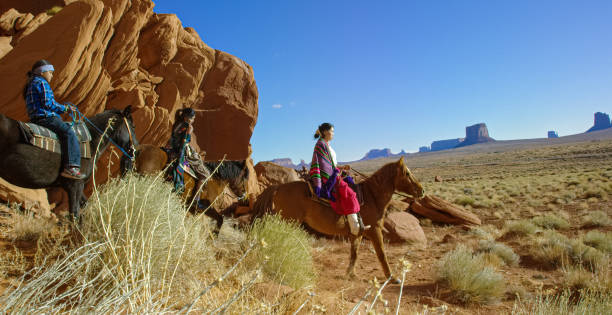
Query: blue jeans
(71, 152)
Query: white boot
(353, 222)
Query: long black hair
(180, 115)
(31, 74)
(322, 129)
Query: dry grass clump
(555, 249)
(550, 221)
(470, 277)
(588, 302)
(140, 252)
(601, 241)
(520, 227)
(502, 251)
(26, 226)
(287, 255)
(596, 219)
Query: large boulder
(31, 199)
(269, 174)
(403, 227)
(442, 211)
(114, 53)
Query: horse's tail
(265, 202)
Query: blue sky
(401, 74)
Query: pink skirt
(346, 199)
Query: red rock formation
(269, 173)
(32, 199)
(440, 210)
(403, 227)
(114, 53)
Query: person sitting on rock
(330, 181)
(178, 145)
(43, 110)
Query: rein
(78, 116)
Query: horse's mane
(100, 119)
(236, 171)
(386, 171)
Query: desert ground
(543, 247)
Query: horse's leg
(355, 244)
(82, 198)
(74, 196)
(211, 212)
(376, 236)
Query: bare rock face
(114, 53)
(32, 199)
(601, 121)
(269, 174)
(403, 227)
(474, 134)
(442, 211)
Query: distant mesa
(474, 134)
(552, 134)
(440, 145)
(601, 122)
(287, 162)
(424, 149)
(381, 153)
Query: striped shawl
(322, 165)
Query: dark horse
(151, 159)
(28, 166)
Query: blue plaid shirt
(40, 101)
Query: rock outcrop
(440, 145)
(380, 153)
(442, 211)
(601, 121)
(403, 227)
(474, 134)
(284, 162)
(29, 199)
(114, 53)
(269, 174)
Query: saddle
(46, 139)
(185, 167)
(356, 188)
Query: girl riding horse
(331, 182)
(179, 148)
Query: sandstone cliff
(114, 53)
(601, 121)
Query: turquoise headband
(44, 68)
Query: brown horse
(151, 160)
(292, 201)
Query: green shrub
(465, 201)
(504, 252)
(520, 227)
(588, 302)
(599, 240)
(596, 219)
(550, 221)
(469, 276)
(287, 255)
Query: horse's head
(406, 182)
(124, 136)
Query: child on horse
(178, 146)
(43, 110)
(330, 181)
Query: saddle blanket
(356, 188)
(187, 169)
(46, 139)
